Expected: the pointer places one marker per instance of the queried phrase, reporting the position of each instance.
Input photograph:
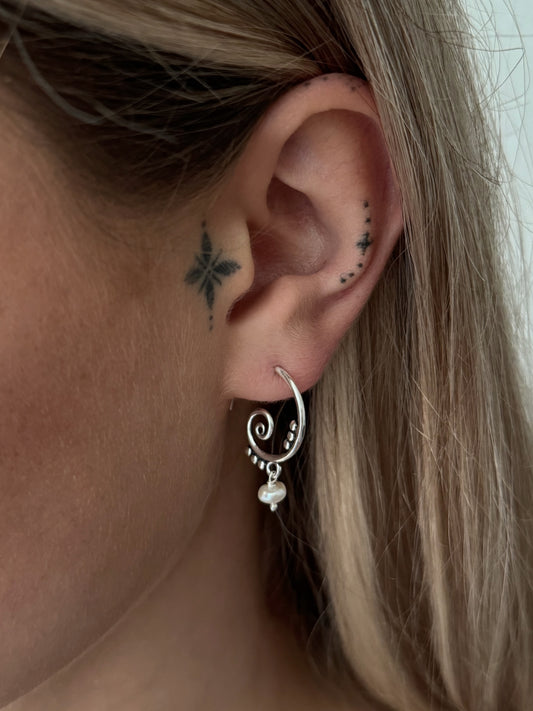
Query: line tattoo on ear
(208, 270)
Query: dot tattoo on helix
(363, 244)
(365, 241)
(345, 276)
(208, 271)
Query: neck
(203, 638)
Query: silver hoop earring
(274, 491)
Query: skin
(130, 541)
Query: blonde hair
(419, 504)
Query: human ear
(317, 211)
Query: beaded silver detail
(274, 491)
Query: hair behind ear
(422, 446)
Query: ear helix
(274, 491)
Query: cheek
(100, 486)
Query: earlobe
(320, 213)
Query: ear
(315, 212)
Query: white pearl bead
(272, 493)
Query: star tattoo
(208, 271)
(364, 243)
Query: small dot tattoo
(365, 241)
(347, 275)
(360, 265)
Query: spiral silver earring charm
(274, 491)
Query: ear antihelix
(274, 490)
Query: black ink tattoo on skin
(208, 271)
(364, 243)
(347, 275)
